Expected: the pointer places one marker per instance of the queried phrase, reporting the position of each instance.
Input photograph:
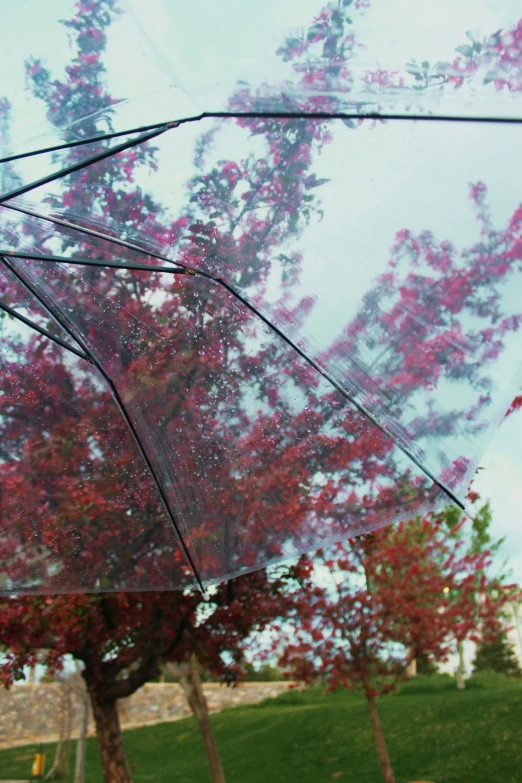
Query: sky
(501, 482)
(202, 48)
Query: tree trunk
(515, 607)
(461, 684)
(60, 766)
(108, 732)
(188, 677)
(79, 771)
(382, 751)
(411, 668)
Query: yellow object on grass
(38, 763)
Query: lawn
(434, 733)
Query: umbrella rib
(95, 262)
(353, 115)
(357, 115)
(42, 331)
(63, 172)
(125, 415)
(80, 142)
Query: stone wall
(32, 713)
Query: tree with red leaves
(369, 608)
(122, 640)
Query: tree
(497, 655)
(393, 595)
(188, 676)
(82, 697)
(123, 639)
(478, 540)
(60, 767)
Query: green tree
(497, 655)
(478, 541)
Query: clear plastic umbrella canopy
(260, 277)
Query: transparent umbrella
(260, 279)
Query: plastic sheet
(345, 337)
(259, 457)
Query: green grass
(434, 733)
